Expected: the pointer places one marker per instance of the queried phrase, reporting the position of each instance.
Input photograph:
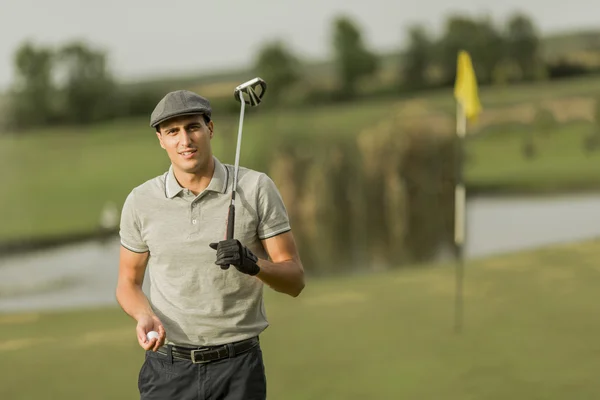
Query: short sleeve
(272, 214)
(130, 228)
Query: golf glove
(232, 252)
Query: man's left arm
(284, 271)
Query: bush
(379, 199)
(566, 69)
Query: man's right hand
(148, 323)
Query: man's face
(187, 142)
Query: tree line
(502, 54)
(73, 84)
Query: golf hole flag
(468, 108)
(465, 88)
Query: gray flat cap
(177, 103)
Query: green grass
(497, 164)
(531, 331)
(56, 181)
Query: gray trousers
(241, 377)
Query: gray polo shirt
(197, 301)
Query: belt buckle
(193, 356)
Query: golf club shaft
(239, 146)
(231, 217)
(231, 213)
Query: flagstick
(459, 214)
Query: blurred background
(358, 130)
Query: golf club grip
(230, 225)
(230, 221)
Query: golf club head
(252, 92)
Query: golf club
(249, 93)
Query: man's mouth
(188, 153)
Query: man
(208, 318)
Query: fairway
(79, 170)
(496, 163)
(531, 332)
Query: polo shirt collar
(218, 183)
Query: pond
(497, 225)
(85, 274)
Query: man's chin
(191, 166)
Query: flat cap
(177, 103)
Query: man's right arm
(132, 267)
(131, 298)
(133, 260)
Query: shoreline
(34, 244)
(14, 247)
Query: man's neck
(196, 181)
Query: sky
(147, 38)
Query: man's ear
(159, 136)
(211, 127)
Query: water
(86, 274)
(66, 277)
(508, 224)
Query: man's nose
(185, 138)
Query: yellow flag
(465, 87)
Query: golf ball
(152, 334)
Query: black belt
(199, 355)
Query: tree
(491, 48)
(86, 84)
(523, 44)
(417, 58)
(352, 59)
(278, 67)
(33, 93)
(480, 38)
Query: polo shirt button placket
(195, 216)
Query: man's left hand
(232, 252)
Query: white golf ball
(152, 334)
